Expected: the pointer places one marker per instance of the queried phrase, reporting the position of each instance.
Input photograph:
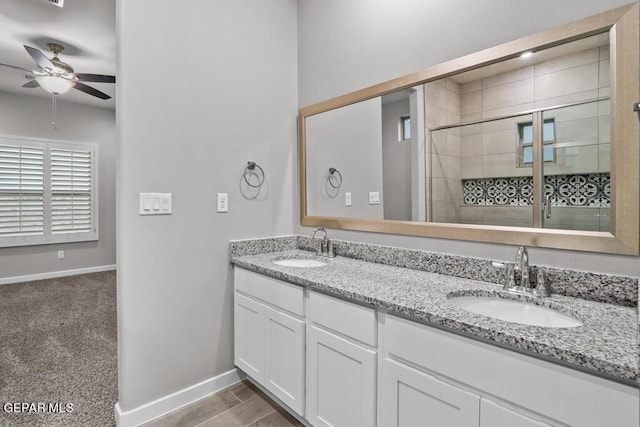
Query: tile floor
(241, 405)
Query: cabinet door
(249, 336)
(340, 381)
(284, 358)
(413, 398)
(494, 415)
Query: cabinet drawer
(280, 294)
(352, 320)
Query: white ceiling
(86, 28)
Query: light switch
(223, 202)
(374, 198)
(347, 199)
(154, 204)
(165, 203)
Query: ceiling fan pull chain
(53, 111)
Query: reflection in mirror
(378, 147)
(348, 139)
(484, 156)
(403, 158)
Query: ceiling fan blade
(91, 91)
(17, 68)
(31, 84)
(40, 58)
(99, 78)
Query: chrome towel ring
(335, 178)
(251, 170)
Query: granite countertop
(606, 344)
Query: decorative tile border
(586, 190)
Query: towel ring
(251, 170)
(333, 177)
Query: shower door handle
(547, 206)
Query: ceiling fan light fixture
(55, 85)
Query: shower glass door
(574, 153)
(480, 174)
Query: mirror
(533, 142)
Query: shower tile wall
(489, 150)
(442, 107)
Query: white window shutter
(48, 191)
(71, 190)
(21, 190)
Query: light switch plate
(347, 199)
(155, 204)
(374, 198)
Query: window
(525, 143)
(405, 128)
(48, 192)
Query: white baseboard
(54, 274)
(174, 401)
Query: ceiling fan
(57, 77)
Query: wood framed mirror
(533, 142)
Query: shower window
(405, 128)
(525, 143)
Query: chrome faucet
(325, 247)
(521, 267)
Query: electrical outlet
(223, 202)
(347, 199)
(60, 254)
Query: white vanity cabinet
(447, 375)
(341, 363)
(495, 415)
(269, 335)
(410, 398)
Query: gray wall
(202, 89)
(345, 45)
(30, 116)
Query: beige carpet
(58, 346)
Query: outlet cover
(223, 202)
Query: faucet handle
(541, 289)
(509, 276)
(331, 252)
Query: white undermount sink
(514, 311)
(300, 262)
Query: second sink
(514, 311)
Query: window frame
(402, 131)
(48, 236)
(520, 163)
